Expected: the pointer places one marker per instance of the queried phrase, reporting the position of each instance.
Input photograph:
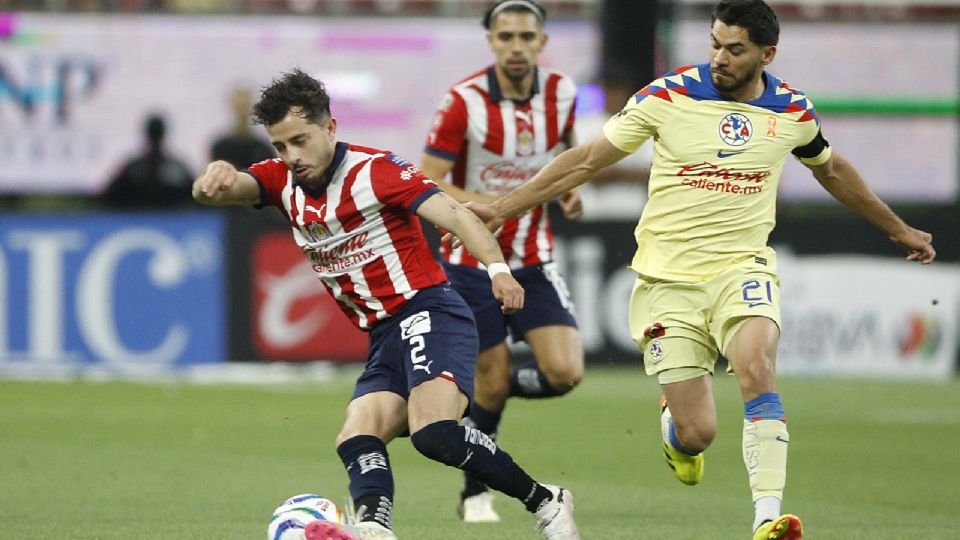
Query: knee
(433, 441)
(757, 377)
(384, 433)
(564, 376)
(696, 437)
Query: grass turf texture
(82, 460)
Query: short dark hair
(755, 16)
(521, 6)
(293, 89)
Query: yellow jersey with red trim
(715, 172)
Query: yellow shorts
(685, 326)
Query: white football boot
(555, 517)
(478, 509)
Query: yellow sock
(765, 456)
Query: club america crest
(736, 129)
(656, 351)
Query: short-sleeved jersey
(716, 169)
(359, 231)
(497, 144)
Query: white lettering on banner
(45, 334)
(816, 334)
(168, 267)
(48, 278)
(888, 325)
(280, 292)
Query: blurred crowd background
(81, 79)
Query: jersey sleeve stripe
(450, 156)
(264, 198)
(423, 197)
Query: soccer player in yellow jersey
(707, 280)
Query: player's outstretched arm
(437, 169)
(220, 184)
(568, 170)
(446, 213)
(842, 180)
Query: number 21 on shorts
(757, 292)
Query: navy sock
(371, 480)
(526, 380)
(471, 450)
(488, 422)
(485, 420)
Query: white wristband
(497, 268)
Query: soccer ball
(291, 518)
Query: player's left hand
(508, 292)
(919, 244)
(572, 204)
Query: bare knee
(380, 414)
(564, 376)
(695, 437)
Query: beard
(732, 83)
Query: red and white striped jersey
(497, 144)
(360, 230)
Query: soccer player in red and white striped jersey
(492, 132)
(353, 211)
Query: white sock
(767, 509)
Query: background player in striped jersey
(492, 132)
(353, 211)
(707, 280)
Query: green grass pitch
(83, 460)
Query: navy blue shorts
(546, 301)
(433, 335)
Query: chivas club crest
(525, 143)
(317, 231)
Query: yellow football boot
(785, 527)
